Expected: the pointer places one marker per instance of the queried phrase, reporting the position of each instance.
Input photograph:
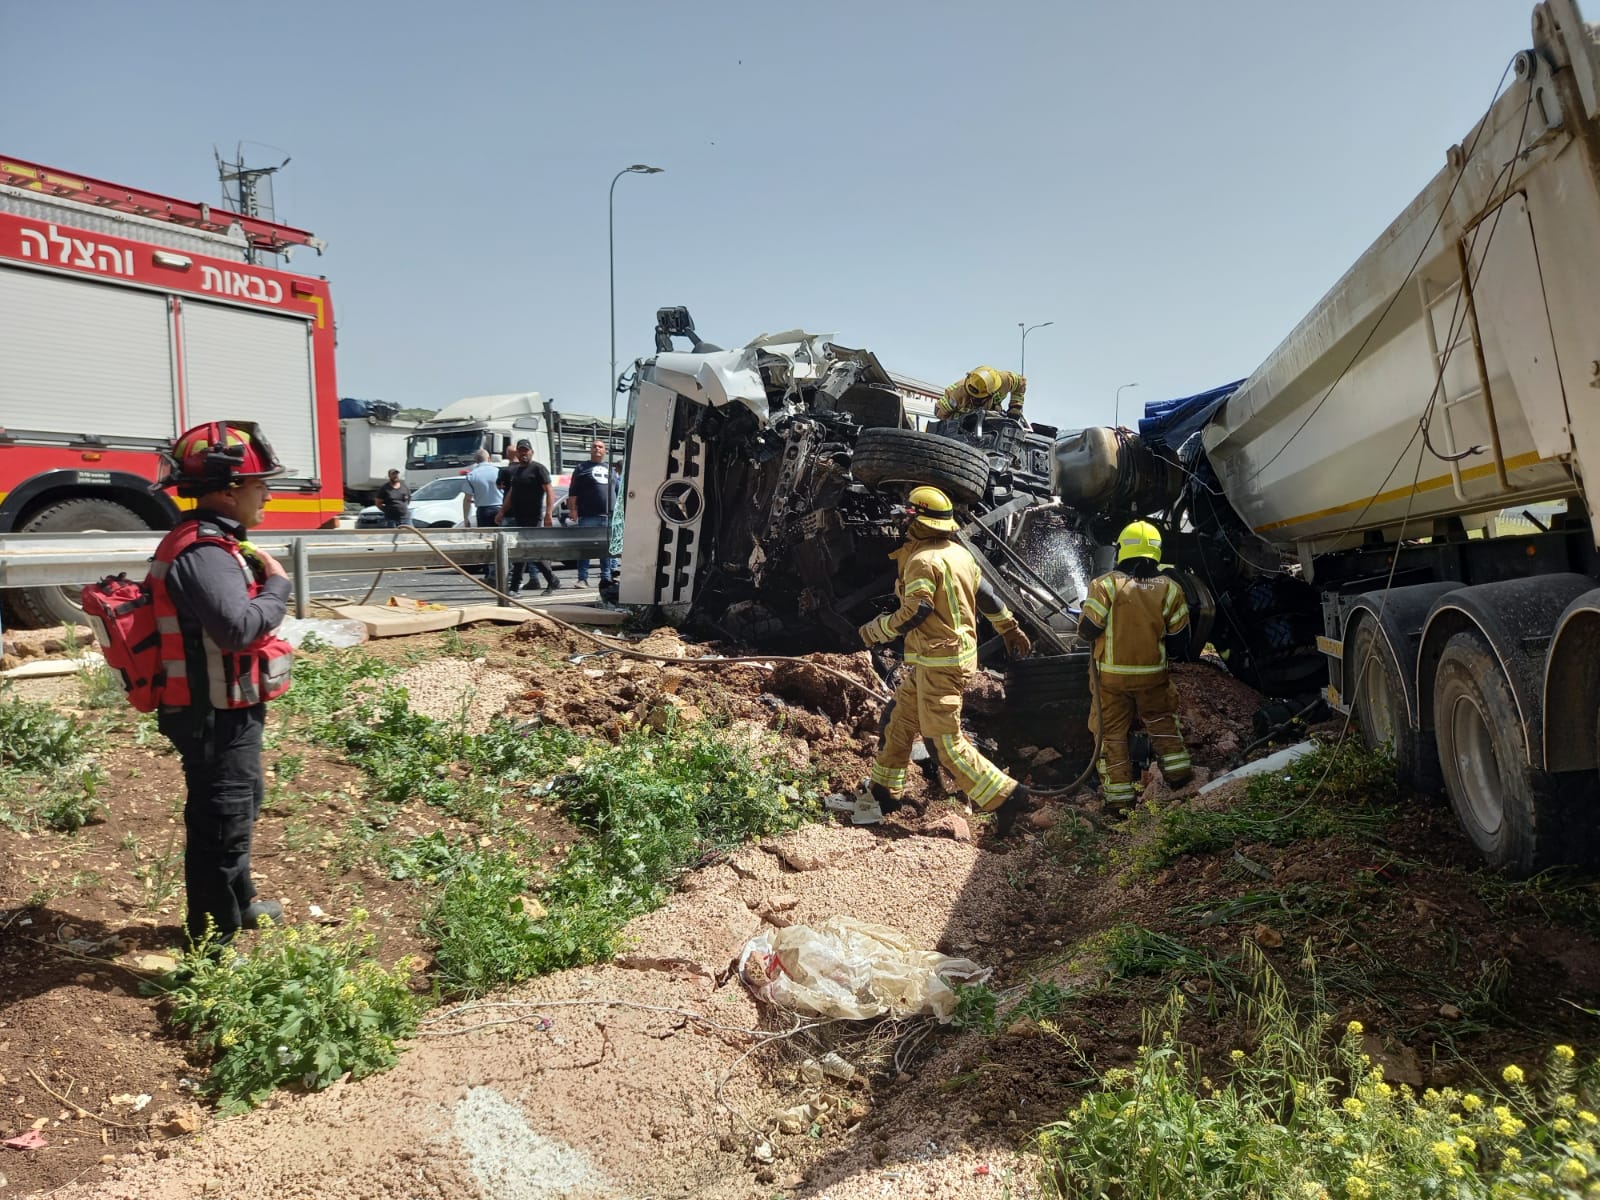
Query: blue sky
(1172, 184)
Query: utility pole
(247, 190)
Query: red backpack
(123, 616)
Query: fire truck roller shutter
(84, 358)
(241, 364)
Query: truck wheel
(39, 608)
(1055, 681)
(1376, 692)
(1518, 818)
(909, 456)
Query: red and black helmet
(216, 455)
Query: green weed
(161, 875)
(977, 1009)
(101, 687)
(1334, 790)
(1301, 1116)
(651, 807)
(300, 1007)
(34, 737)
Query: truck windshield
(443, 449)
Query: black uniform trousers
(221, 754)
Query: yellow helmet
(983, 382)
(933, 508)
(1139, 540)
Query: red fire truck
(126, 317)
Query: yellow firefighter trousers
(928, 701)
(1111, 717)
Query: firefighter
(941, 593)
(1134, 618)
(983, 387)
(218, 601)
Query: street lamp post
(1116, 419)
(611, 245)
(1022, 365)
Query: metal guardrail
(57, 560)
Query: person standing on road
(941, 593)
(1134, 618)
(530, 502)
(590, 498)
(218, 601)
(481, 497)
(394, 499)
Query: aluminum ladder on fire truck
(266, 237)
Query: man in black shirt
(530, 501)
(394, 498)
(590, 498)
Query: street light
(611, 243)
(1022, 366)
(1116, 420)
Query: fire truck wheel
(39, 608)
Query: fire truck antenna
(247, 190)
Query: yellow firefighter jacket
(955, 399)
(940, 573)
(1137, 616)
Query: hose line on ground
(626, 652)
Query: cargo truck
(1333, 515)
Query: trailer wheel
(39, 608)
(1519, 818)
(909, 456)
(1377, 692)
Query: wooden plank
(382, 621)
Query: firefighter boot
(866, 806)
(1012, 807)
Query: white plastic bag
(855, 970)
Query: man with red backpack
(217, 602)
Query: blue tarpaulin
(383, 410)
(1170, 423)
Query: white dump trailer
(1337, 506)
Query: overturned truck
(764, 485)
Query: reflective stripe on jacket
(234, 679)
(941, 572)
(1137, 616)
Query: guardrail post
(302, 579)
(502, 567)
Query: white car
(434, 505)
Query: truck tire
(909, 456)
(1376, 692)
(1059, 682)
(1522, 820)
(39, 608)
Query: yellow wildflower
(1356, 1028)
(1565, 1053)
(1384, 1090)
(1455, 1118)
(1572, 1170)
(1512, 1073)
(1566, 1102)
(1543, 1180)
(1465, 1144)
(1445, 1152)
(358, 915)
(1357, 1188)
(1353, 1106)
(1472, 1102)
(1511, 1155)
(290, 935)
(347, 993)
(1236, 1055)
(1587, 1117)
(1561, 1125)
(1210, 1138)
(228, 1038)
